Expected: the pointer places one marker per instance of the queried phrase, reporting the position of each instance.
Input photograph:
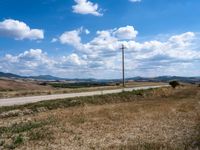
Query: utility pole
(123, 75)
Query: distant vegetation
(174, 84)
(138, 79)
(78, 84)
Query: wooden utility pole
(123, 69)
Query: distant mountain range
(40, 77)
(9, 75)
(139, 79)
(167, 79)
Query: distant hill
(45, 77)
(40, 77)
(167, 79)
(9, 75)
(139, 79)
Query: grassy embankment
(146, 119)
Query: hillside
(139, 79)
(18, 85)
(139, 120)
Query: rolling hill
(139, 79)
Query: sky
(82, 38)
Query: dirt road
(33, 99)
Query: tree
(174, 84)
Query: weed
(18, 140)
(138, 92)
(41, 134)
(23, 127)
(34, 130)
(2, 142)
(78, 119)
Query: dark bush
(117, 84)
(43, 83)
(174, 84)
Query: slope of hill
(139, 79)
(16, 85)
(167, 79)
(155, 119)
(40, 77)
(45, 77)
(9, 75)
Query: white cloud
(182, 39)
(71, 37)
(32, 61)
(54, 40)
(127, 33)
(37, 62)
(31, 58)
(103, 52)
(73, 60)
(86, 7)
(19, 30)
(87, 31)
(135, 1)
(101, 57)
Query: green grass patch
(18, 140)
(78, 85)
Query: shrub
(174, 84)
(117, 84)
(43, 84)
(18, 140)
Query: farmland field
(162, 118)
(18, 88)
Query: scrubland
(19, 87)
(163, 118)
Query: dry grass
(16, 85)
(145, 120)
(18, 88)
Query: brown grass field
(17, 88)
(156, 119)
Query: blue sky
(81, 38)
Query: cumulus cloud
(19, 30)
(183, 39)
(103, 51)
(86, 7)
(38, 62)
(31, 58)
(73, 60)
(71, 37)
(101, 56)
(29, 62)
(87, 31)
(54, 40)
(127, 32)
